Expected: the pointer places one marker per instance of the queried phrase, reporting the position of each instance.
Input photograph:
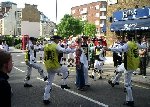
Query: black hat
(55, 37)
(85, 37)
(32, 38)
(100, 40)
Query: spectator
(143, 56)
(5, 88)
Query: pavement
(109, 70)
(14, 50)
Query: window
(103, 22)
(96, 7)
(84, 17)
(19, 31)
(97, 15)
(102, 13)
(96, 22)
(103, 5)
(73, 11)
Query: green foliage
(89, 29)
(9, 40)
(17, 41)
(18, 46)
(69, 26)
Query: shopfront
(135, 21)
(132, 21)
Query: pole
(56, 11)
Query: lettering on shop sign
(129, 13)
(127, 26)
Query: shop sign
(129, 26)
(131, 14)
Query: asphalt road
(99, 94)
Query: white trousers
(127, 84)
(29, 69)
(98, 65)
(86, 75)
(120, 69)
(127, 80)
(51, 75)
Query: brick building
(94, 13)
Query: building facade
(127, 16)
(30, 24)
(8, 18)
(24, 21)
(94, 13)
(46, 26)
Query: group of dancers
(87, 53)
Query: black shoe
(117, 83)
(59, 74)
(140, 74)
(129, 103)
(110, 82)
(100, 77)
(46, 102)
(81, 88)
(65, 86)
(91, 76)
(125, 90)
(27, 85)
(87, 85)
(45, 78)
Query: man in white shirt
(131, 63)
(30, 59)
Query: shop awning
(138, 24)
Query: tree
(89, 29)
(69, 26)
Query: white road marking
(18, 69)
(22, 62)
(120, 81)
(137, 85)
(80, 95)
(18, 55)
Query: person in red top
(96, 41)
(104, 43)
(80, 80)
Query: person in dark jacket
(5, 88)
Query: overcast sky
(48, 7)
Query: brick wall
(30, 13)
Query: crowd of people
(84, 53)
(4, 46)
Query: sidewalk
(109, 71)
(14, 50)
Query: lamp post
(56, 11)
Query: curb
(15, 52)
